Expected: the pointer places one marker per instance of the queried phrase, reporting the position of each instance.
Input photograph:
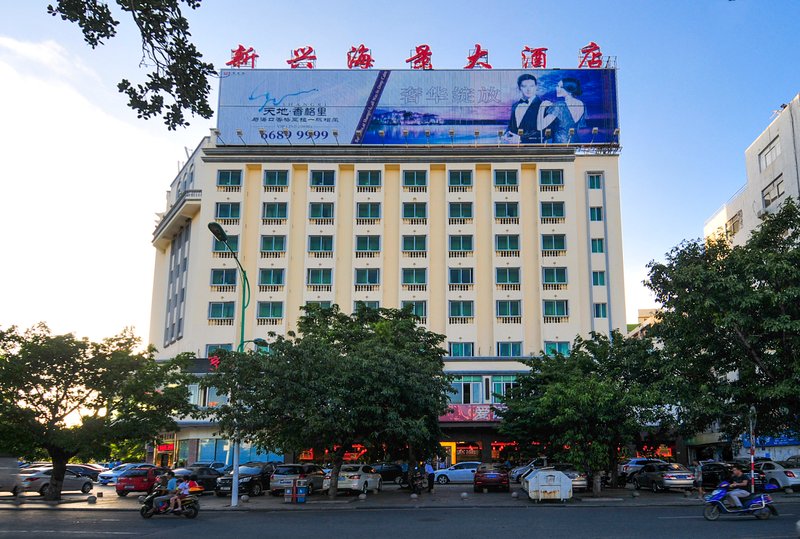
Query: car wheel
(711, 512)
(122, 493)
(636, 484)
(86, 488)
(442, 479)
(255, 489)
(654, 487)
(44, 489)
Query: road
(505, 523)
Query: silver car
(38, 480)
(284, 474)
(663, 477)
(784, 474)
(9, 475)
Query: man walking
(429, 472)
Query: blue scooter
(758, 505)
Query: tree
(584, 406)
(373, 378)
(73, 398)
(178, 72)
(730, 327)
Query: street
(508, 523)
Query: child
(183, 491)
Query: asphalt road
(499, 523)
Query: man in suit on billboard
(525, 113)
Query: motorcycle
(759, 505)
(190, 506)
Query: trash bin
(301, 490)
(290, 493)
(548, 484)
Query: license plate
(128, 487)
(492, 475)
(224, 488)
(285, 482)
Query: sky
(81, 178)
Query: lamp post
(220, 235)
(752, 417)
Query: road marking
(68, 532)
(688, 516)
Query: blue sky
(698, 81)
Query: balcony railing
(223, 288)
(224, 221)
(554, 286)
(276, 188)
(273, 254)
(415, 220)
(270, 288)
(366, 287)
(506, 254)
(506, 188)
(461, 287)
(509, 319)
(415, 188)
(220, 321)
(554, 252)
(320, 254)
(461, 319)
(319, 287)
(368, 188)
(550, 188)
(460, 188)
(556, 319)
(460, 254)
(415, 254)
(229, 188)
(509, 286)
(415, 287)
(323, 188)
(553, 220)
(367, 254)
(460, 221)
(273, 222)
(368, 220)
(222, 254)
(506, 220)
(321, 220)
(269, 321)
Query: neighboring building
(646, 319)
(507, 249)
(773, 173)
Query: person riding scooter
(738, 484)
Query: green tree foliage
(72, 397)
(179, 78)
(730, 327)
(374, 378)
(583, 407)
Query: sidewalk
(392, 497)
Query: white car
(781, 474)
(38, 480)
(110, 476)
(357, 478)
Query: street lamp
(220, 235)
(752, 417)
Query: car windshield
(787, 464)
(671, 468)
(351, 468)
(287, 470)
(134, 473)
(491, 468)
(121, 467)
(249, 469)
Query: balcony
(223, 254)
(415, 287)
(461, 319)
(321, 220)
(367, 221)
(176, 217)
(506, 188)
(367, 254)
(229, 188)
(506, 220)
(366, 287)
(270, 288)
(556, 319)
(273, 222)
(273, 254)
(551, 188)
(509, 319)
(460, 221)
(506, 253)
(320, 254)
(220, 321)
(554, 252)
(460, 188)
(319, 287)
(415, 188)
(415, 254)
(553, 220)
(415, 220)
(223, 288)
(461, 287)
(509, 286)
(323, 188)
(554, 286)
(368, 188)
(269, 321)
(276, 188)
(459, 254)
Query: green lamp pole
(221, 236)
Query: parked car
(457, 473)
(488, 476)
(516, 473)
(86, 470)
(219, 466)
(254, 479)
(110, 476)
(9, 475)
(356, 478)
(579, 479)
(716, 472)
(783, 474)
(38, 480)
(206, 477)
(137, 480)
(284, 474)
(663, 477)
(390, 472)
(628, 469)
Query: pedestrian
(429, 472)
(697, 470)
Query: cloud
(45, 57)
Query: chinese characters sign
(241, 56)
(422, 58)
(470, 412)
(360, 57)
(534, 58)
(304, 57)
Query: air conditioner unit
(761, 213)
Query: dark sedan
(253, 479)
(490, 476)
(84, 470)
(715, 473)
(390, 472)
(206, 477)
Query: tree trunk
(612, 462)
(56, 482)
(338, 458)
(597, 483)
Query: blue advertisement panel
(548, 106)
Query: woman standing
(568, 112)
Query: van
(9, 475)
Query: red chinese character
(241, 57)
(474, 58)
(303, 57)
(359, 57)
(592, 57)
(534, 58)
(422, 58)
(214, 360)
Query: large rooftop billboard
(546, 106)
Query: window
(595, 181)
(320, 304)
(368, 276)
(509, 349)
(415, 276)
(501, 385)
(598, 245)
(318, 276)
(368, 210)
(461, 243)
(220, 247)
(229, 178)
(507, 242)
(505, 177)
(557, 307)
(554, 275)
(508, 307)
(269, 309)
(554, 242)
(414, 243)
(600, 310)
(596, 213)
(320, 243)
(505, 210)
(369, 178)
(507, 275)
(734, 224)
(461, 276)
(221, 310)
(551, 177)
(467, 390)
(552, 209)
(365, 305)
(556, 347)
(415, 210)
(223, 277)
(273, 244)
(274, 210)
(214, 398)
(418, 307)
(461, 210)
(460, 178)
(368, 243)
(461, 349)
(773, 191)
(276, 178)
(415, 178)
(322, 178)
(320, 210)
(598, 278)
(461, 309)
(270, 276)
(211, 349)
(769, 154)
(227, 210)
